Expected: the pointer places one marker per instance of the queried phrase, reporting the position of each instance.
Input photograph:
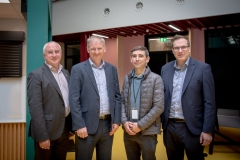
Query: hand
(134, 127)
(127, 128)
(205, 138)
(45, 144)
(82, 132)
(114, 129)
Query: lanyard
(135, 95)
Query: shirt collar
(185, 66)
(93, 65)
(53, 69)
(139, 76)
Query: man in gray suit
(95, 102)
(47, 90)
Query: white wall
(73, 16)
(13, 90)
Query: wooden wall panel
(12, 141)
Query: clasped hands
(131, 128)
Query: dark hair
(177, 37)
(140, 48)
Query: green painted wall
(39, 32)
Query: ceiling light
(106, 12)
(174, 27)
(139, 6)
(4, 1)
(147, 30)
(99, 35)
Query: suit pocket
(48, 117)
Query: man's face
(52, 54)
(96, 50)
(181, 50)
(139, 59)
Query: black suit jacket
(84, 97)
(46, 105)
(198, 96)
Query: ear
(148, 59)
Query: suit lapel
(189, 74)
(91, 74)
(107, 75)
(170, 77)
(49, 75)
(66, 75)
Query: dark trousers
(138, 144)
(101, 140)
(177, 138)
(58, 148)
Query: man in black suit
(95, 102)
(189, 115)
(47, 90)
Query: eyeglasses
(178, 48)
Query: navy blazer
(46, 105)
(198, 96)
(84, 97)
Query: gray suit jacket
(46, 105)
(198, 96)
(84, 97)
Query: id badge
(134, 114)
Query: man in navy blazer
(189, 115)
(47, 90)
(95, 102)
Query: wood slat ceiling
(214, 22)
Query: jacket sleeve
(117, 107)
(124, 118)
(74, 99)
(35, 98)
(209, 101)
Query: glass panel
(222, 41)
(69, 64)
(160, 44)
(73, 50)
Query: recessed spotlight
(179, 1)
(106, 12)
(139, 6)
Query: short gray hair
(45, 46)
(90, 39)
